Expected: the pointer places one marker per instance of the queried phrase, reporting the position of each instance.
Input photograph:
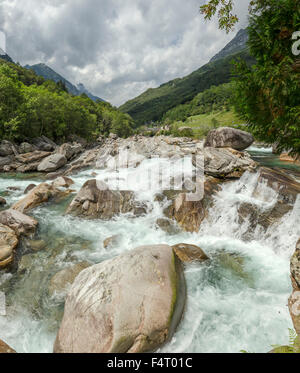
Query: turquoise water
(237, 300)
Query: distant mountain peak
(238, 43)
(49, 74)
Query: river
(236, 301)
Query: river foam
(237, 300)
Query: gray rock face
(227, 163)
(44, 144)
(25, 147)
(62, 182)
(96, 201)
(70, 150)
(132, 303)
(20, 223)
(226, 137)
(6, 148)
(52, 163)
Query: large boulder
(227, 163)
(226, 137)
(5, 349)
(20, 223)
(132, 303)
(52, 163)
(96, 201)
(8, 243)
(40, 194)
(294, 301)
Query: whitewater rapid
(236, 301)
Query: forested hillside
(154, 103)
(31, 106)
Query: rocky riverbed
(91, 211)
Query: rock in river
(189, 253)
(20, 223)
(95, 200)
(40, 194)
(226, 137)
(8, 243)
(132, 303)
(52, 163)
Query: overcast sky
(116, 48)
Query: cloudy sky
(117, 48)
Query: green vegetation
(154, 103)
(203, 123)
(211, 100)
(267, 95)
(31, 107)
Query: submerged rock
(20, 223)
(226, 137)
(40, 194)
(8, 243)
(132, 303)
(52, 163)
(111, 241)
(189, 253)
(167, 226)
(5, 349)
(95, 200)
(29, 188)
(2, 201)
(63, 279)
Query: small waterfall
(237, 300)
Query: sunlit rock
(132, 303)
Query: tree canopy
(267, 94)
(31, 107)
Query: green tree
(267, 95)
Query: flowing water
(237, 300)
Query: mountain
(155, 102)
(49, 74)
(5, 56)
(236, 45)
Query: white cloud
(117, 48)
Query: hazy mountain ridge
(49, 74)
